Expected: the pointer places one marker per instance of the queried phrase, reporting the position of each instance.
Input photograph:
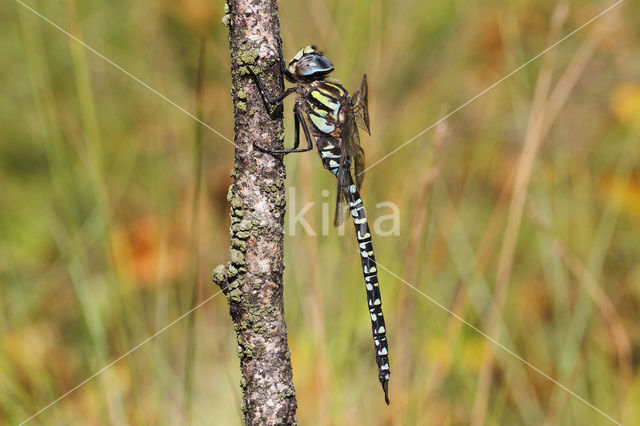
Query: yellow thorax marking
(322, 124)
(325, 100)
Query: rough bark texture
(252, 281)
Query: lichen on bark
(252, 280)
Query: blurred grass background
(530, 194)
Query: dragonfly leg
(299, 122)
(283, 67)
(268, 100)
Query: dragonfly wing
(352, 152)
(360, 105)
(341, 206)
(351, 166)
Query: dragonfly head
(307, 65)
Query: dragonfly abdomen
(330, 153)
(370, 272)
(329, 149)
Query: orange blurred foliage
(150, 254)
(197, 15)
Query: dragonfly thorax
(326, 104)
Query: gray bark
(252, 280)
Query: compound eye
(313, 64)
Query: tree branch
(252, 281)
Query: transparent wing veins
(352, 155)
(360, 105)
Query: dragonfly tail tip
(385, 388)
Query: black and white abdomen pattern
(329, 150)
(370, 271)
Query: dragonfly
(330, 117)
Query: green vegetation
(531, 193)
